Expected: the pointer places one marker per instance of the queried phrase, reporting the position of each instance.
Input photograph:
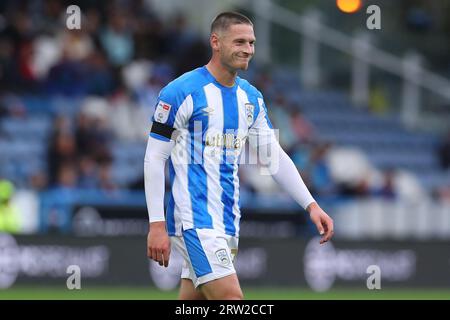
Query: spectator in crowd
(359, 189)
(88, 173)
(318, 170)
(92, 134)
(123, 116)
(418, 19)
(99, 79)
(117, 39)
(387, 188)
(442, 193)
(149, 37)
(147, 96)
(378, 99)
(9, 214)
(280, 116)
(67, 78)
(195, 55)
(67, 177)
(39, 180)
(301, 127)
(444, 152)
(51, 17)
(3, 113)
(105, 178)
(179, 36)
(61, 149)
(76, 44)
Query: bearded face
(236, 46)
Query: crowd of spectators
(116, 64)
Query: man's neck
(224, 76)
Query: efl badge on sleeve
(249, 109)
(162, 112)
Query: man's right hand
(158, 243)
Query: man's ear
(214, 41)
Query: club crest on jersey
(222, 256)
(249, 109)
(162, 112)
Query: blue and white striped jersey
(213, 123)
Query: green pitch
(133, 293)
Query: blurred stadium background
(364, 114)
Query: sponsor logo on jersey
(227, 140)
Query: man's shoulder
(185, 84)
(249, 88)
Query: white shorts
(207, 254)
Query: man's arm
(156, 155)
(285, 173)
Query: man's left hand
(322, 221)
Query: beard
(235, 63)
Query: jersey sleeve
(261, 132)
(170, 113)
